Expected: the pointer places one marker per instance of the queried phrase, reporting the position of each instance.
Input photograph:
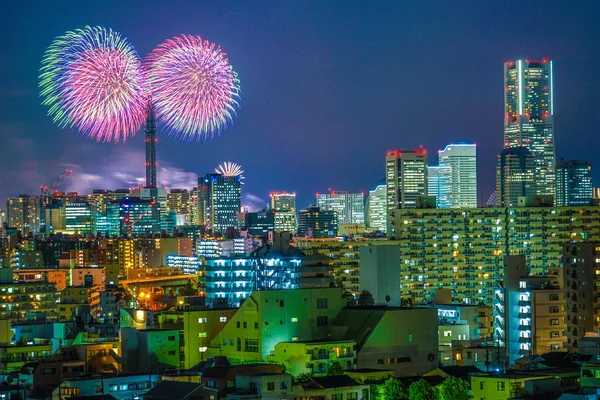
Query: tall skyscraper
(220, 200)
(317, 223)
(529, 116)
(460, 161)
(350, 207)
(78, 217)
(132, 216)
(438, 185)
(377, 207)
(284, 206)
(573, 183)
(515, 176)
(406, 178)
(23, 213)
(150, 138)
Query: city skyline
(323, 120)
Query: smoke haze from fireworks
(92, 80)
(195, 91)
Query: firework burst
(230, 169)
(194, 89)
(92, 80)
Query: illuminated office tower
(406, 178)
(515, 176)
(23, 213)
(573, 183)
(314, 222)
(78, 217)
(220, 200)
(284, 206)
(350, 207)
(460, 187)
(376, 207)
(438, 185)
(132, 217)
(180, 202)
(529, 116)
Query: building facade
(573, 183)
(377, 208)
(460, 187)
(515, 176)
(529, 116)
(220, 200)
(283, 205)
(406, 178)
(350, 207)
(314, 222)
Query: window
(554, 310)
(201, 320)
(352, 396)
(554, 297)
(556, 347)
(501, 386)
(171, 338)
(283, 385)
(224, 342)
(251, 345)
(337, 396)
(231, 342)
(391, 360)
(322, 303)
(202, 349)
(554, 322)
(239, 344)
(554, 334)
(256, 325)
(322, 320)
(294, 319)
(410, 338)
(245, 324)
(270, 385)
(171, 352)
(48, 371)
(237, 324)
(222, 319)
(113, 388)
(281, 303)
(380, 361)
(203, 334)
(403, 360)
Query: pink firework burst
(195, 91)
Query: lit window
(201, 320)
(294, 319)
(222, 319)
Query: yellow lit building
(197, 326)
(508, 386)
(314, 357)
(12, 358)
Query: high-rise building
(350, 207)
(182, 203)
(284, 206)
(406, 178)
(529, 312)
(315, 222)
(573, 183)
(78, 217)
(581, 278)
(460, 161)
(515, 176)
(259, 222)
(135, 217)
(23, 213)
(220, 200)
(529, 116)
(377, 207)
(438, 185)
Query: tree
(392, 389)
(335, 369)
(302, 378)
(454, 389)
(422, 390)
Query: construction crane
(48, 190)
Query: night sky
(327, 89)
